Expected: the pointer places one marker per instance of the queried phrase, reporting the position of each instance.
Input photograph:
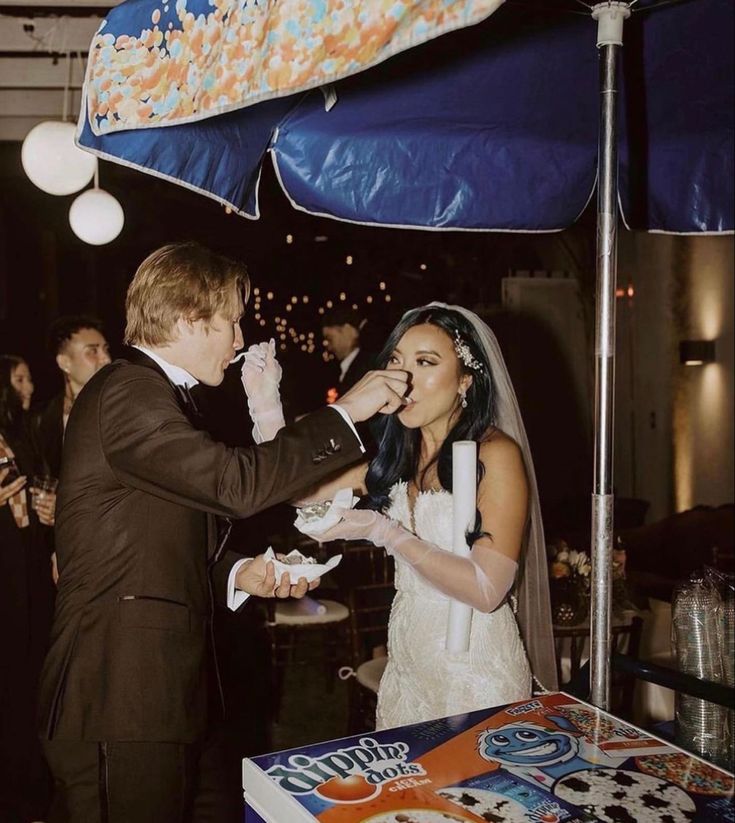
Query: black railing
(717, 693)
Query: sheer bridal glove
(261, 377)
(481, 580)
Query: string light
(342, 296)
(329, 304)
(387, 298)
(262, 322)
(321, 309)
(305, 298)
(294, 299)
(256, 291)
(348, 259)
(423, 267)
(369, 298)
(270, 295)
(288, 307)
(289, 239)
(381, 285)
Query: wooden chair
(365, 576)
(369, 607)
(574, 642)
(362, 564)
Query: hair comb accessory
(464, 353)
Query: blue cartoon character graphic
(543, 754)
(534, 751)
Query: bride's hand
(362, 524)
(261, 376)
(261, 373)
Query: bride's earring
(463, 395)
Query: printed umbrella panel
(492, 128)
(175, 61)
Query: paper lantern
(96, 217)
(53, 162)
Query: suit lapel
(218, 528)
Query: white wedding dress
(421, 681)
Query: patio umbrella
(498, 127)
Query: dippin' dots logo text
(349, 775)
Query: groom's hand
(378, 391)
(259, 578)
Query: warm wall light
(696, 352)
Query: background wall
(674, 423)
(703, 396)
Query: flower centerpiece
(569, 573)
(569, 583)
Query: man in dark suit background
(78, 345)
(129, 693)
(341, 328)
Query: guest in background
(26, 601)
(342, 328)
(79, 346)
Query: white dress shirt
(347, 362)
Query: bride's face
(427, 353)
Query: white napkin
(298, 570)
(308, 520)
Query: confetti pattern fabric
(175, 61)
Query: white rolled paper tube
(464, 508)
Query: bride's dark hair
(399, 447)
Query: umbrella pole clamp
(610, 18)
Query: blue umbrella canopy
(490, 128)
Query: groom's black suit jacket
(139, 554)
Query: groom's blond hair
(181, 280)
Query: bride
(459, 389)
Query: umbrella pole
(610, 17)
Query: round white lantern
(53, 162)
(96, 217)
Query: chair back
(369, 612)
(362, 564)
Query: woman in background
(26, 601)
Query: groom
(130, 697)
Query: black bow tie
(190, 406)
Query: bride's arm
(261, 376)
(353, 478)
(483, 579)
